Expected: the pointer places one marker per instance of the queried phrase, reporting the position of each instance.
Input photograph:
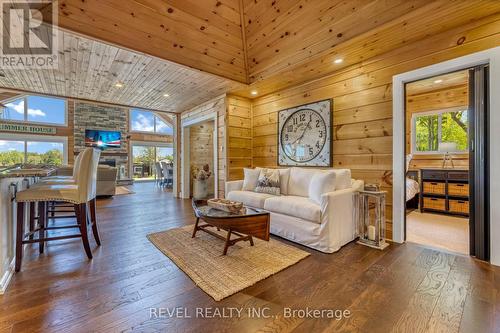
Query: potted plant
(200, 181)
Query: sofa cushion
(321, 182)
(298, 183)
(294, 206)
(269, 182)
(284, 176)
(252, 199)
(343, 178)
(250, 179)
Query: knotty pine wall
(239, 132)
(362, 103)
(450, 97)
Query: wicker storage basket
(458, 189)
(225, 205)
(459, 206)
(435, 203)
(434, 188)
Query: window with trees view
(16, 151)
(35, 109)
(431, 128)
(148, 121)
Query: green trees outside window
(446, 126)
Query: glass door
(145, 155)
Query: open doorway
(437, 156)
(199, 159)
(446, 148)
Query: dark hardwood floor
(407, 288)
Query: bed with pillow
(412, 186)
(313, 207)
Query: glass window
(46, 110)
(38, 152)
(142, 121)
(11, 152)
(162, 127)
(31, 151)
(147, 121)
(36, 109)
(442, 126)
(14, 110)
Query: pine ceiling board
(317, 26)
(224, 15)
(159, 28)
(428, 20)
(89, 69)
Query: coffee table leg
(195, 227)
(251, 240)
(228, 241)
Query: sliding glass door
(144, 157)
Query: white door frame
(491, 57)
(185, 150)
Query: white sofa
(325, 227)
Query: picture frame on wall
(305, 135)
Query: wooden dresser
(444, 191)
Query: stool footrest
(29, 241)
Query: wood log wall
(454, 95)
(362, 102)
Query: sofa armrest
(235, 185)
(338, 214)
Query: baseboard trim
(7, 276)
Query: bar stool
(80, 195)
(51, 206)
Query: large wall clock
(304, 135)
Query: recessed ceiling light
(338, 61)
(254, 92)
(438, 81)
(166, 95)
(118, 84)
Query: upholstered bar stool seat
(81, 194)
(45, 193)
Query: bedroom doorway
(444, 140)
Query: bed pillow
(251, 176)
(321, 182)
(268, 182)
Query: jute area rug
(221, 276)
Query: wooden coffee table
(246, 224)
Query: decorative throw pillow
(250, 179)
(268, 182)
(321, 182)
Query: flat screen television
(102, 139)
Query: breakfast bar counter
(13, 180)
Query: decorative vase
(200, 189)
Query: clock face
(303, 135)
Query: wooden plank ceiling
(89, 69)
(295, 41)
(270, 44)
(205, 35)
